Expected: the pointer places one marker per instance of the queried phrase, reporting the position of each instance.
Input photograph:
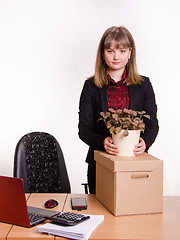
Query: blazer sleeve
(149, 105)
(87, 120)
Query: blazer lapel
(103, 96)
(132, 97)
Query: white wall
(48, 49)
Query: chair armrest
(85, 187)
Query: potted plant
(125, 126)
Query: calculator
(68, 218)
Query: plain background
(48, 49)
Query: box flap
(144, 162)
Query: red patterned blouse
(118, 93)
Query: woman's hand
(110, 147)
(140, 147)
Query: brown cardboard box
(129, 185)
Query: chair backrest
(39, 161)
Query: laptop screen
(13, 208)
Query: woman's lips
(115, 63)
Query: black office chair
(39, 161)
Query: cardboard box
(129, 185)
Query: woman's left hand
(140, 147)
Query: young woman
(115, 84)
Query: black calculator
(68, 218)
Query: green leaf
(134, 113)
(115, 116)
(108, 125)
(147, 116)
(125, 133)
(112, 110)
(103, 114)
(117, 130)
(111, 130)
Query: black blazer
(93, 100)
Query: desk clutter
(68, 218)
(81, 231)
(129, 185)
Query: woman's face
(116, 58)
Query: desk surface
(165, 226)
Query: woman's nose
(116, 55)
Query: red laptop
(13, 207)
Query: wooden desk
(165, 226)
(4, 229)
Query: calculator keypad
(69, 218)
(72, 216)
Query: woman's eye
(110, 51)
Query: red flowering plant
(126, 119)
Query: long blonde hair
(122, 37)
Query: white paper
(80, 231)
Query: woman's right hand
(110, 147)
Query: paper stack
(81, 231)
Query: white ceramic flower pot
(126, 144)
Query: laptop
(13, 206)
